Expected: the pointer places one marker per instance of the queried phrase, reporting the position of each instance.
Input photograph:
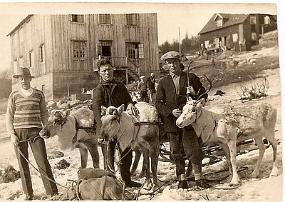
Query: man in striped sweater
(26, 114)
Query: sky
(188, 17)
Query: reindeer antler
(210, 87)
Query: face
(25, 82)
(54, 125)
(189, 114)
(174, 65)
(106, 73)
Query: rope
(43, 174)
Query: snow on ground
(262, 189)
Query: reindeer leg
(136, 161)
(93, 149)
(83, 155)
(274, 143)
(147, 185)
(154, 163)
(225, 147)
(261, 147)
(232, 149)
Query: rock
(10, 174)
(51, 104)
(55, 154)
(62, 164)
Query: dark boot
(133, 184)
(202, 183)
(182, 182)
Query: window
(219, 23)
(15, 65)
(253, 36)
(21, 35)
(252, 20)
(42, 53)
(141, 53)
(31, 59)
(132, 19)
(79, 49)
(267, 20)
(77, 18)
(21, 62)
(104, 19)
(235, 37)
(43, 88)
(132, 50)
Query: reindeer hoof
(254, 174)
(274, 172)
(147, 186)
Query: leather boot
(182, 182)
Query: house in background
(62, 51)
(236, 31)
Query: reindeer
(74, 130)
(256, 121)
(134, 132)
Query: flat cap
(170, 54)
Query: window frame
(78, 55)
(132, 19)
(134, 47)
(82, 21)
(42, 53)
(105, 21)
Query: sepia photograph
(140, 101)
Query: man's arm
(98, 101)
(43, 110)
(160, 101)
(10, 115)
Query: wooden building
(236, 31)
(62, 50)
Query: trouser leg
(126, 163)
(40, 155)
(24, 167)
(193, 150)
(176, 150)
(111, 155)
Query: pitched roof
(229, 19)
(20, 24)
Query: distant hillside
(5, 83)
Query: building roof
(20, 24)
(229, 20)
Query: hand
(14, 139)
(132, 110)
(176, 112)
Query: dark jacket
(167, 99)
(109, 94)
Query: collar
(108, 82)
(174, 75)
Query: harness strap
(146, 123)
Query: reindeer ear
(103, 110)
(201, 103)
(121, 108)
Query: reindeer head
(110, 121)
(190, 113)
(56, 120)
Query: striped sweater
(26, 111)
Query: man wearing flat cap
(26, 114)
(170, 98)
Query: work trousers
(37, 144)
(185, 142)
(144, 96)
(125, 160)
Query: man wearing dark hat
(170, 98)
(26, 114)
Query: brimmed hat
(171, 54)
(24, 72)
(141, 77)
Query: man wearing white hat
(170, 98)
(26, 114)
